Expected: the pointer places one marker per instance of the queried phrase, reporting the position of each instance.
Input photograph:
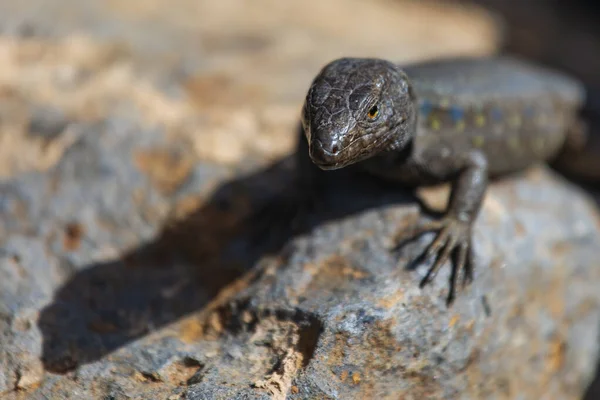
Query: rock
(128, 268)
(332, 314)
(227, 77)
(47, 123)
(528, 326)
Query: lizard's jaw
(332, 156)
(329, 162)
(329, 157)
(329, 167)
(325, 156)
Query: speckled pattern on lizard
(460, 120)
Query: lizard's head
(355, 109)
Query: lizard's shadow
(104, 306)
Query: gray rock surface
(128, 269)
(331, 315)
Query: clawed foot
(453, 239)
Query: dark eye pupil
(373, 112)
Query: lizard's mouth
(352, 153)
(329, 160)
(330, 166)
(324, 165)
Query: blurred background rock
(198, 66)
(199, 91)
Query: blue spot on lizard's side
(496, 114)
(457, 114)
(425, 108)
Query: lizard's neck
(404, 133)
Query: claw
(448, 242)
(468, 266)
(459, 258)
(453, 239)
(461, 263)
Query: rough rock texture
(132, 145)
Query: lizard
(462, 120)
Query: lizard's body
(512, 112)
(456, 120)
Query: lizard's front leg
(454, 229)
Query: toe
(400, 238)
(453, 274)
(468, 266)
(443, 256)
(464, 262)
(441, 239)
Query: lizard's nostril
(334, 148)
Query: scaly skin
(456, 120)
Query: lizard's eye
(373, 112)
